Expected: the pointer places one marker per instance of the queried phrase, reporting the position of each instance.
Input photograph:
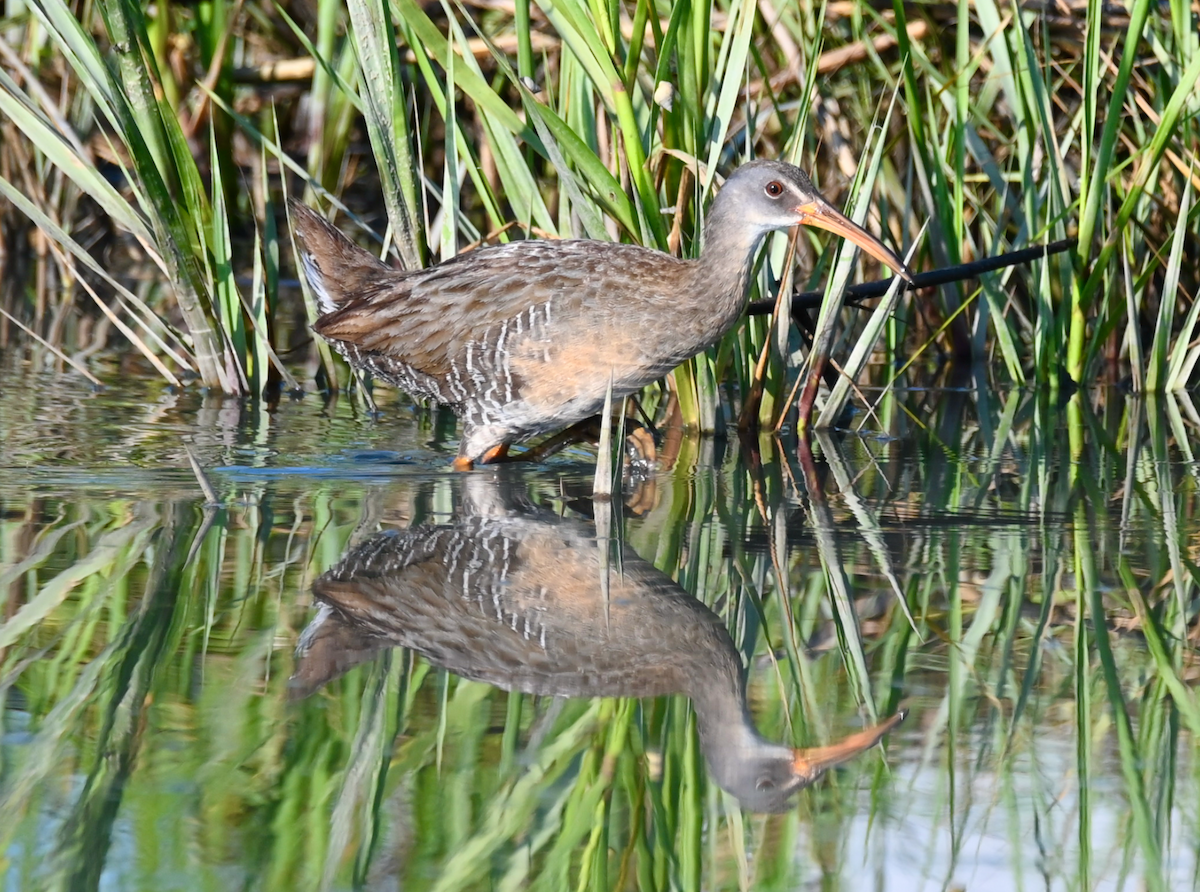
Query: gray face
(770, 195)
(766, 782)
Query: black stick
(803, 300)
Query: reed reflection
(516, 596)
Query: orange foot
(496, 453)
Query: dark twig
(803, 300)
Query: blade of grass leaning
(596, 173)
(225, 288)
(729, 72)
(864, 345)
(868, 523)
(518, 180)
(17, 108)
(1135, 789)
(431, 41)
(831, 306)
(164, 146)
(606, 188)
(1094, 173)
(581, 39)
(1179, 367)
(54, 232)
(1158, 372)
(551, 129)
(386, 117)
(320, 54)
(574, 25)
(276, 150)
(1148, 165)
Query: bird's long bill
(823, 215)
(812, 763)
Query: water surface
(361, 670)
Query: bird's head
(773, 195)
(764, 777)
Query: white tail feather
(316, 280)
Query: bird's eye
(765, 783)
(774, 188)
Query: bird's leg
(497, 453)
(639, 445)
(587, 429)
(638, 439)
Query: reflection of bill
(514, 596)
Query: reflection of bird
(515, 597)
(522, 338)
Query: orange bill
(821, 214)
(812, 763)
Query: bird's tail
(336, 268)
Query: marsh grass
(1022, 574)
(1006, 128)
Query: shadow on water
(1020, 572)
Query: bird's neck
(725, 261)
(727, 734)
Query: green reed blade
(386, 116)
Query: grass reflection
(150, 739)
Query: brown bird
(518, 597)
(522, 339)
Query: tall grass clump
(179, 130)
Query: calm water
(361, 670)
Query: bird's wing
(533, 292)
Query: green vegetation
(177, 130)
(1017, 563)
(1049, 663)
